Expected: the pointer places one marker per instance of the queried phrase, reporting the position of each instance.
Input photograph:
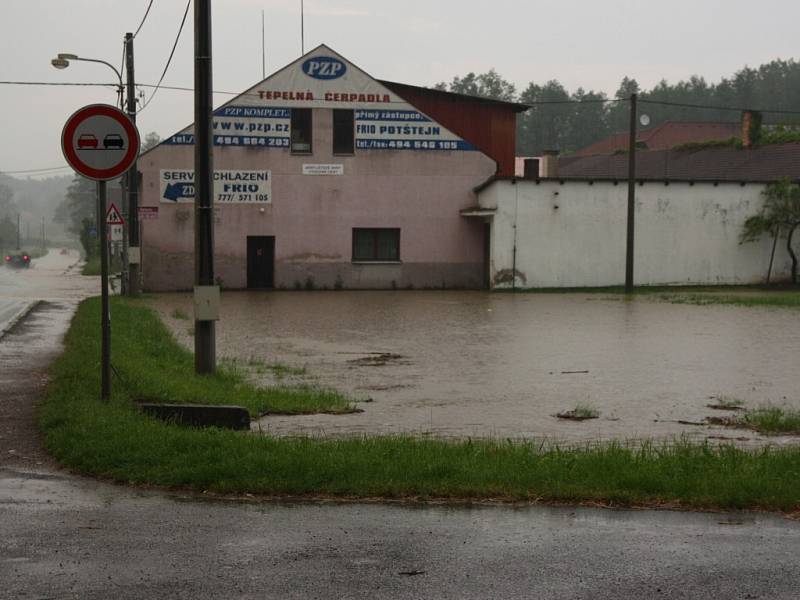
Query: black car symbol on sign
(113, 140)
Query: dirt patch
(378, 359)
(385, 388)
(576, 415)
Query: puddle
(481, 364)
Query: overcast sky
(579, 42)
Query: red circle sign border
(106, 110)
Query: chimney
(549, 164)
(751, 128)
(531, 168)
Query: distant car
(19, 260)
(87, 140)
(113, 140)
(64, 251)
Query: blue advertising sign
(324, 67)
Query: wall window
(376, 245)
(343, 131)
(301, 130)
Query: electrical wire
(144, 18)
(114, 85)
(169, 60)
(35, 170)
(710, 107)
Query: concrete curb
(200, 415)
(23, 312)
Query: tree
(780, 215)
(7, 205)
(486, 85)
(8, 232)
(150, 140)
(77, 211)
(544, 126)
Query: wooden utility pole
(204, 338)
(631, 198)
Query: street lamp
(62, 62)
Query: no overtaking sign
(100, 142)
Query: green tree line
(572, 125)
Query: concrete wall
(312, 217)
(573, 234)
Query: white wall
(572, 234)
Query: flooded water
(54, 276)
(481, 364)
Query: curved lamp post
(62, 62)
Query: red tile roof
(716, 163)
(664, 136)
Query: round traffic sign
(100, 142)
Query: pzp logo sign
(324, 67)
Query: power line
(169, 60)
(35, 170)
(114, 85)
(144, 18)
(729, 108)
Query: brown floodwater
(478, 364)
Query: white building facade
(564, 234)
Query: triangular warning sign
(113, 216)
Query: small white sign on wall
(309, 169)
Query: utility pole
(18, 231)
(133, 250)
(206, 294)
(631, 198)
(44, 242)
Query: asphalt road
(64, 536)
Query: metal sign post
(100, 142)
(105, 315)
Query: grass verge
(91, 266)
(742, 295)
(152, 367)
(113, 440)
(789, 299)
(769, 420)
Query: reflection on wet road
(54, 277)
(51, 277)
(481, 364)
(62, 537)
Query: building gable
(260, 117)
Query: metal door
(260, 262)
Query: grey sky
(579, 42)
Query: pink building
(325, 177)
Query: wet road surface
(61, 537)
(480, 364)
(51, 287)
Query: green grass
(91, 266)
(580, 413)
(726, 403)
(181, 314)
(772, 420)
(153, 367)
(113, 440)
(789, 299)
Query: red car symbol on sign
(87, 140)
